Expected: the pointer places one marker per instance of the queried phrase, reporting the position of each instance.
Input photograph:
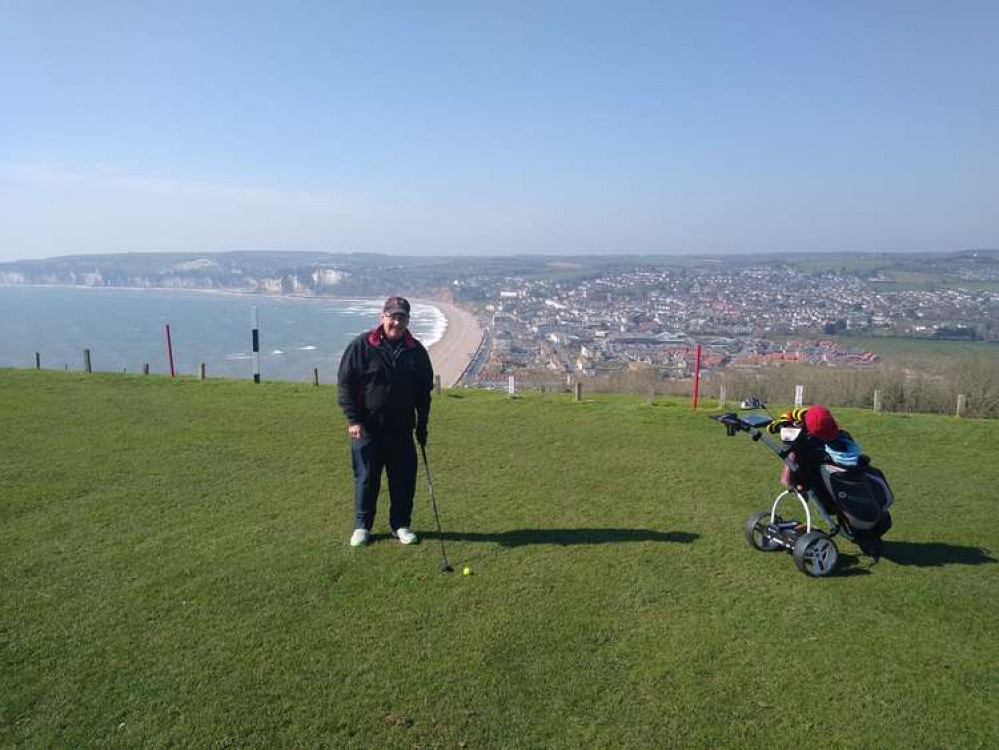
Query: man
(383, 387)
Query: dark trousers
(396, 453)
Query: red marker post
(697, 372)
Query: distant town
(600, 314)
(742, 315)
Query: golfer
(383, 387)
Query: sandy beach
(451, 355)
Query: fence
(967, 386)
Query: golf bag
(861, 498)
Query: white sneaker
(359, 538)
(406, 536)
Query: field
(174, 572)
(897, 347)
(846, 262)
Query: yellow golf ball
(467, 571)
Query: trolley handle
(781, 449)
(734, 425)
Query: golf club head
(445, 567)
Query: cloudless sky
(498, 127)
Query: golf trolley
(861, 504)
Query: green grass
(899, 346)
(174, 572)
(845, 262)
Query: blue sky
(498, 127)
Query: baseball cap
(395, 305)
(820, 423)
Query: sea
(126, 328)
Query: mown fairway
(174, 572)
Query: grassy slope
(174, 572)
(898, 347)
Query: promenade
(451, 355)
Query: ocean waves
(125, 328)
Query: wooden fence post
(145, 368)
(437, 384)
(578, 392)
(38, 361)
(721, 397)
(962, 402)
(877, 400)
(169, 344)
(315, 376)
(86, 361)
(201, 371)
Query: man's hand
(356, 431)
(421, 434)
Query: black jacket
(385, 388)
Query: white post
(256, 347)
(799, 395)
(511, 386)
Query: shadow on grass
(852, 565)
(566, 537)
(925, 555)
(935, 554)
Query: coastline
(451, 355)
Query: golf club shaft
(433, 503)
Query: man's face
(394, 325)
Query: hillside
(175, 572)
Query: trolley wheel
(756, 532)
(815, 554)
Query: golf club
(445, 566)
